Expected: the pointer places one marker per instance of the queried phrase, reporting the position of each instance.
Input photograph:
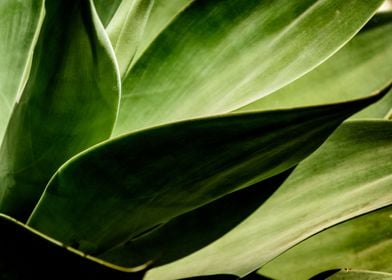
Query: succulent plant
(193, 138)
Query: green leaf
(20, 22)
(136, 182)
(348, 274)
(193, 230)
(217, 56)
(358, 68)
(70, 102)
(349, 175)
(126, 29)
(27, 254)
(162, 14)
(106, 9)
(363, 242)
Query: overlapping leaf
(364, 242)
(27, 254)
(348, 175)
(126, 30)
(127, 186)
(360, 67)
(217, 56)
(69, 103)
(19, 26)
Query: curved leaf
(358, 68)
(217, 56)
(349, 175)
(131, 184)
(70, 102)
(27, 254)
(193, 230)
(106, 9)
(20, 22)
(363, 242)
(126, 29)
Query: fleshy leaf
(364, 242)
(358, 68)
(126, 186)
(349, 175)
(220, 55)
(20, 22)
(126, 29)
(192, 231)
(70, 102)
(27, 254)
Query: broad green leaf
(217, 56)
(380, 110)
(348, 274)
(27, 254)
(20, 22)
(120, 189)
(162, 14)
(106, 9)
(364, 242)
(192, 231)
(69, 103)
(358, 68)
(126, 30)
(349, 175)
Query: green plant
(144, 137)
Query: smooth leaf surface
(126, 29)
(70, 103)
(349, 175)
(360, 67)
(106, 9)
(192, 231)
(19, 26)
(162, 14)
(364, 242)
(348, 274)
(131, 184)
(217, 56)
(27, 254)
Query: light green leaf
(348, 274)
(70, 103)
(106, 9)
(20, 22)
(27, 254)
(136, 182)
(126, 29)
(357, 69)
(364, 242)
(217, 56)
(349, 175)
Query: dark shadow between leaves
(26, 255)
(194, 230)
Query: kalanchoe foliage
(177, 139)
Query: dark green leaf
(70, 102)
(349, 175)
(126, 186)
